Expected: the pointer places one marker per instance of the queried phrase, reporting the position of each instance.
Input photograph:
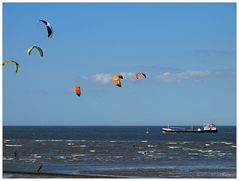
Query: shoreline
(131, 173)
(18, 174)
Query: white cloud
(179, 76)
(105, 78)
(101, 78)
(128, 75)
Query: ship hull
(189, 131)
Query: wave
(151, 146)
(12, 145)
(5, 158)
(35, 155)
(173, 147)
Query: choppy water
(125, 151)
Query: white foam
(55, 140)
(13, 145)
(76, 155)
(40, 140)
(221, 154)
(4, 158)
(35, 156)
(113, 141)
(144, 141)
(172, 143)
(141, 152)
(27, 159)
(92, 151)
(81, 155)
(173, 147)
(61, 157)
(193, 154)
(185, 142)
(151, 146)
(82, 146)
(191, 149)
(227, 143)
(6, 140)
(203, 151)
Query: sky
(187, 51)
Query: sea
(117, 151)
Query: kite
(77, 90)
(116, 80)
(49, 28)
(29, 50)
(9, 61)
(139, 74)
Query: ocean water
(125, 151)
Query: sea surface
(117, 151)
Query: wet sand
(11, 174)
(170, 173)
(132, 173)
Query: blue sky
(187, 51)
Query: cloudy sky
(187, 51)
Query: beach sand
(131, 173)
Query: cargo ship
(207, 128)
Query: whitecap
(70, 140)
(13, 145)
(193, 154)
(55, 140)
(227, 143)
(81, 155)
(144, 141)
(82, 146)
(173, 147)
(191, 149)
(92, 151)
(61, 157)
(113, 141)
(221, 154)
(141, 152)
(8, 140)
(151, 146)
(76, 155)
(152, 151)
(35, 156)
(172, 143)
(234, 146)
(70, 144)
(28, 160)
(40, 140)
(203, 151)
(185, 142)
(4, 158)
